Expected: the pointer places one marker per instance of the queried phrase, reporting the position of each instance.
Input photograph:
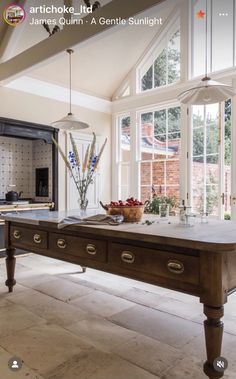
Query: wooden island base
(199, 262)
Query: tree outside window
(166, 67)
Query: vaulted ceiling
(101, 64)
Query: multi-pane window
(205, 185)
(221, 39)
(124, 156)
(163, 66)
(211, 159)
(159, 146)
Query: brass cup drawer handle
(91, 249)
(37, 238)
(127, 256)
(61, 243)
(17, 234)
(176, 267)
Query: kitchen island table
(199, 261)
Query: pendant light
(207, 91)
(70, 122)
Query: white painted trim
(59, 93)
(184, 41)
(134, 164)
(122, 88)
(221, 186)
(233, 158)
(115, 171)
(188, 128)
(185, 173)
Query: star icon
(200, 14)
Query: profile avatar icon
(15, 363)
(14, 14)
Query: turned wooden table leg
(213, 333)
(10, 265)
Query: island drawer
(28, 238)
(159, 263)
(78, 246)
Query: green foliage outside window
(211, 157)
(166, 67)
(153, 205)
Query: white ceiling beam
(71, 36)
(59, 93)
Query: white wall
(22, 106)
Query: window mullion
(205, 168)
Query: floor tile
(188, 310)
(140, 296)
(164, 327)
(150, 354)
(108, 285)
(101, 333)
(191, 368)
(14, 317)
(16, 289)
(32, 278)
(122, 369)
(98, 365)
(44, 347)
(102, 304)
(188, 368)
(48, 308)
(197, 348)
(102, 326)
(24, 373)
(63, 290)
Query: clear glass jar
(204, 218)
(164, 211)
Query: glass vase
(83, 203)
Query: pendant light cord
(206, 42)
(70, 51)
(70, 81)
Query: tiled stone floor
(101, 326)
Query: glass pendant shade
(70, 121)
(206, 92)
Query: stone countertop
(215, 235)
(5, 208)
(35, 218)
(24, 206)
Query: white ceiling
(100, 66)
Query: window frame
(118, 155)
(161, 42)
(191, 75)
(161, 97)
(139, 160)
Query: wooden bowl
(130, 213)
